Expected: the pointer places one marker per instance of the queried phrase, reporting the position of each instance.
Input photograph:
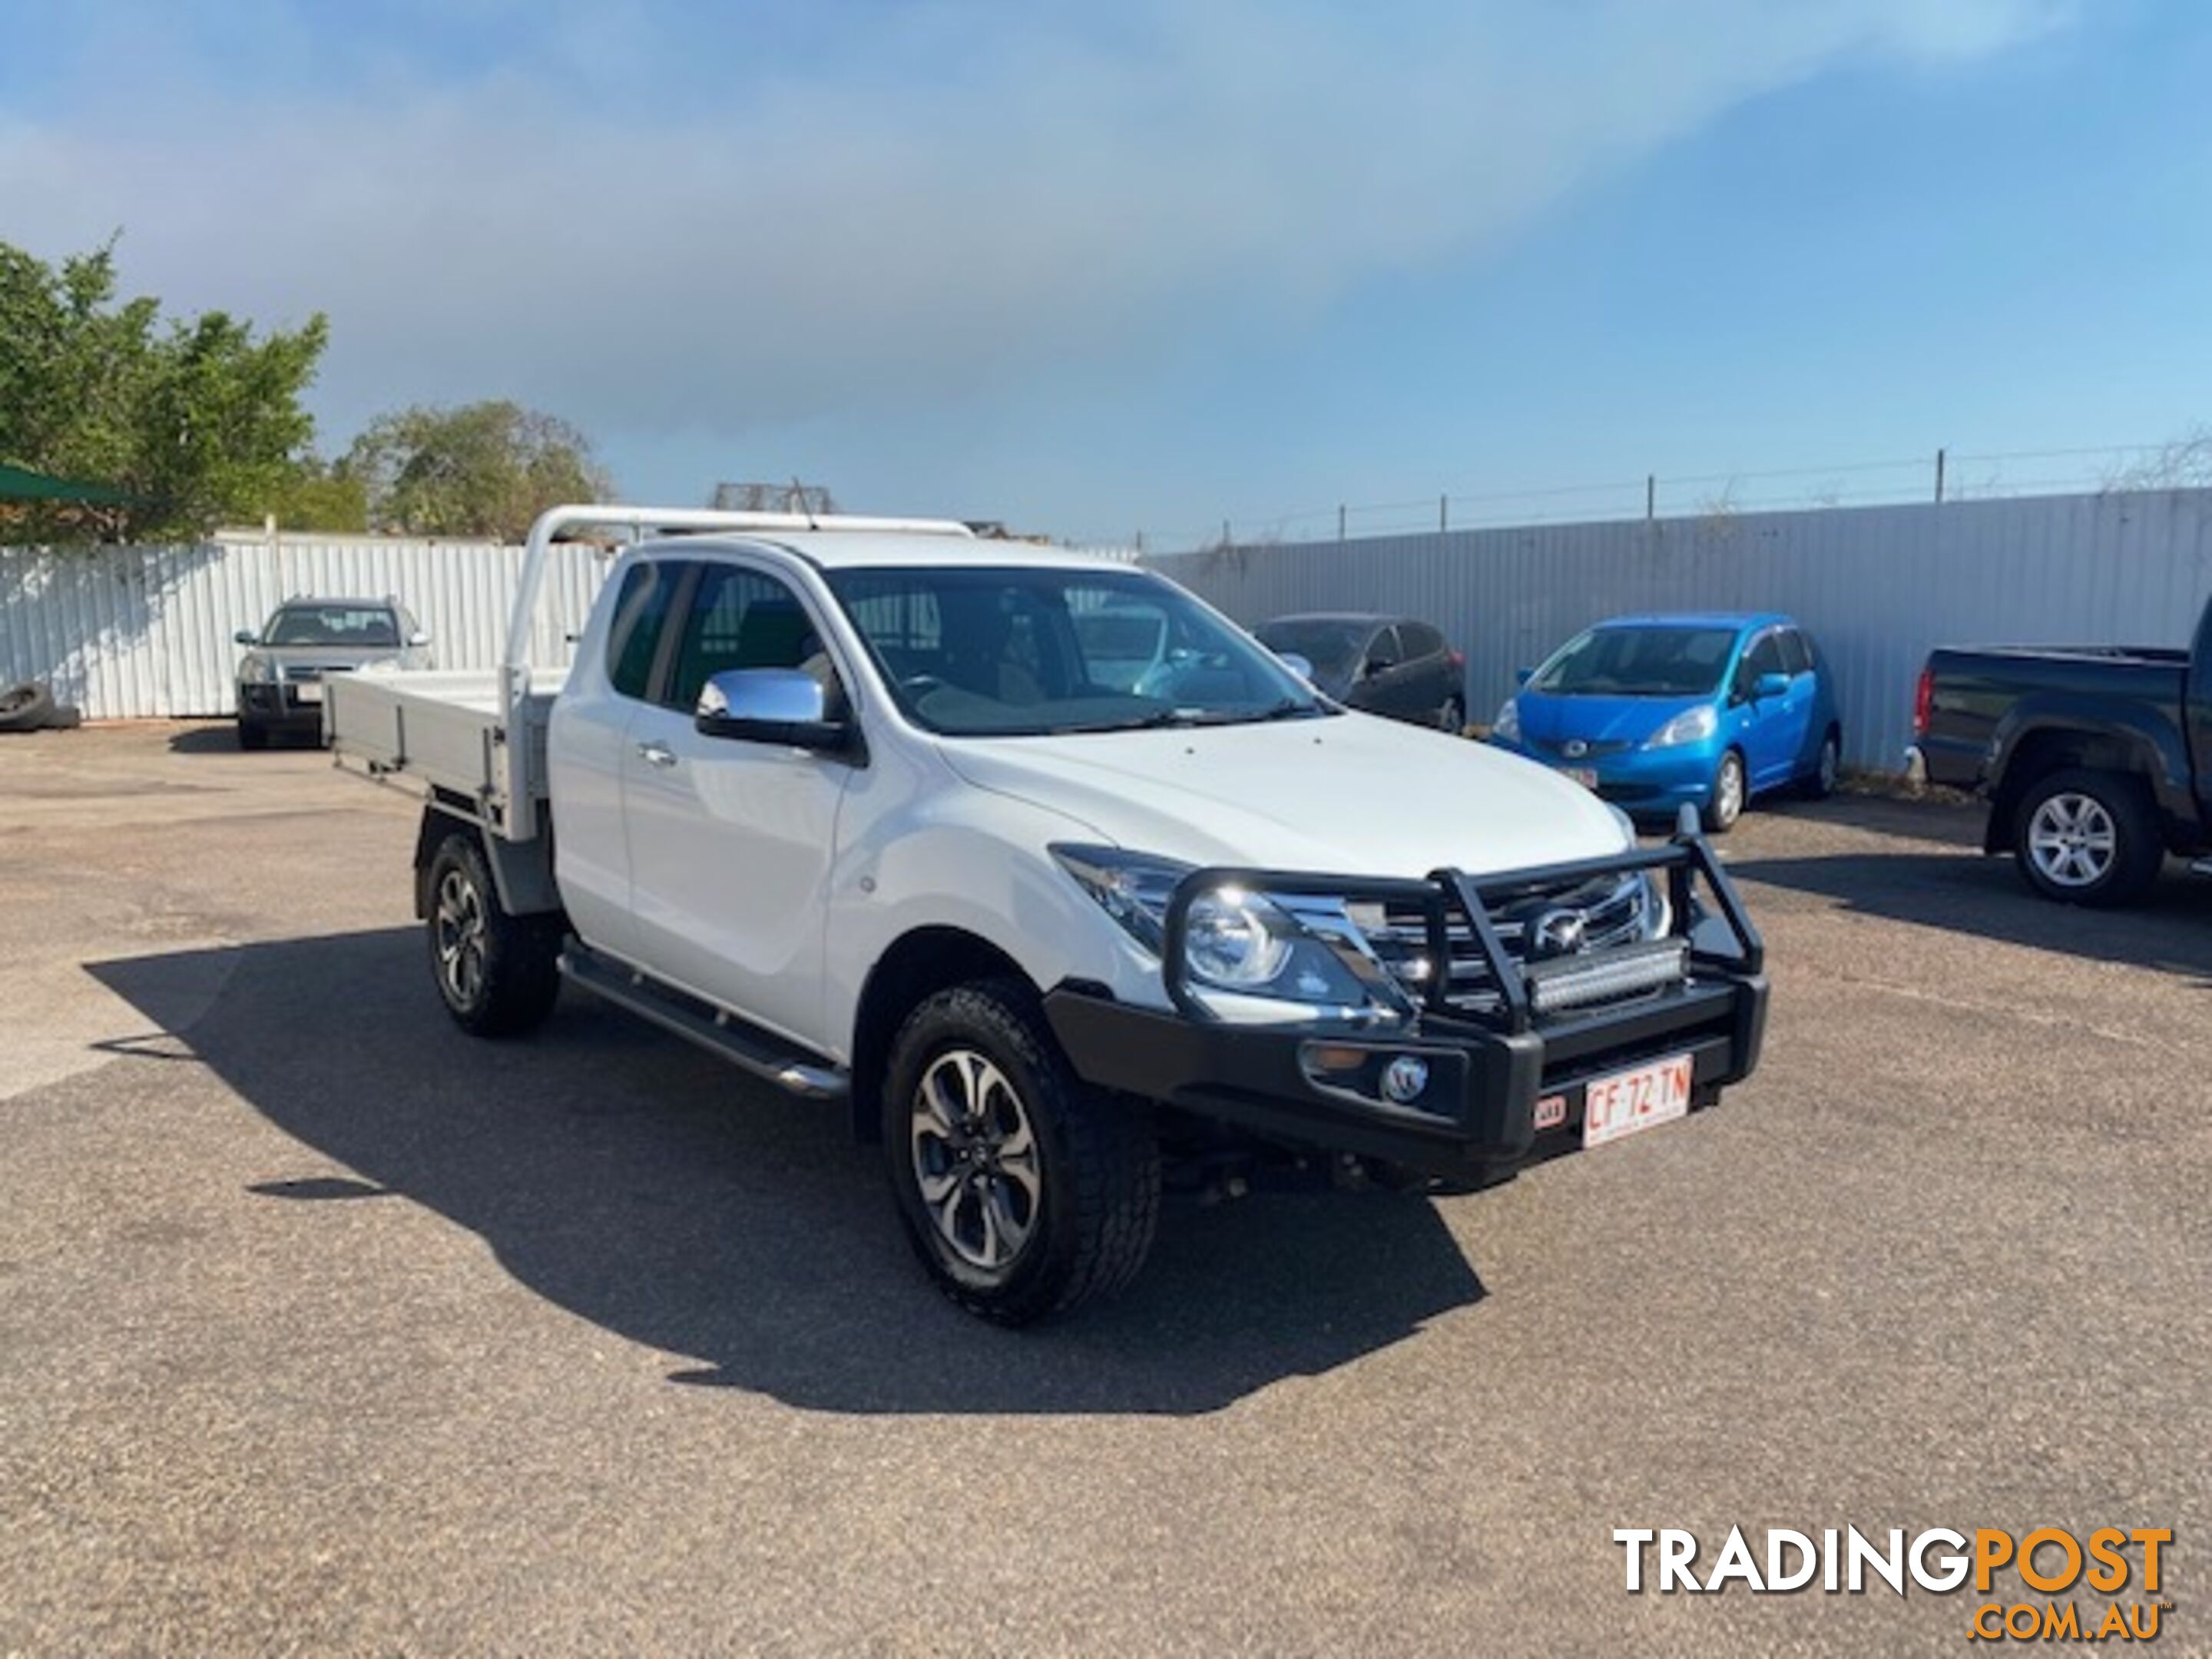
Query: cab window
(641, 615)
(740, 618)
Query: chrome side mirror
(783, 706)
(417, 640)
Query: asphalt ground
(325, 1329)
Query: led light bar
(1578, 981)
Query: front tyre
(1724, 804)
(1024, 1191)
(2083, 836)
(497, 974)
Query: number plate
(308, 691)
(1626, 1102)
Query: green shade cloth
(17, 484)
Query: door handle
(660, 754)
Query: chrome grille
(1614, 910)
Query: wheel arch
(2036, 747)
(522, 871)
(919, 963)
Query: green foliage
(197, 420)
(484, 469)
(317, 496)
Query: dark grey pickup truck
(2096, 761)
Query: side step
(767, 1057)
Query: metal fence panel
(1878, 586)
(145, 632)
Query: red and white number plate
(1629, 1101)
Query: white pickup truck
(930, 827)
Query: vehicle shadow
(2170, 931)
(211, 738)
(635, 1182)
(1953, 823)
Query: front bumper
(1477, 1118)
(1637, 779)
(278, 706)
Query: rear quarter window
(641, 615)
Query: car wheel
(1724, 805)
(1024, 1191)
(1452, 717)
(2083, 836)
(1820, 782)
(498, 974)
(251, 736)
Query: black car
(1390, 665)
(2096, 760)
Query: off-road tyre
(2086, 837)
(1097, 1158)
(498, 974)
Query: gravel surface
(325, 1329)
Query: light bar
(1578, 981)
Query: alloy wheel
(976, 1159)
(2073, 840)
(460, 935)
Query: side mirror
(1301, 666)
(771, 705)
(246, 636)
(417, 640)
(1522, 676)
(1769, 685)
(1381, 663)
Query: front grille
(1592, 749)
(1614, 910)
(297, 672)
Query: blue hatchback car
(1652, 712)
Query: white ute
(896, 817)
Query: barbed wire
(1940, 477)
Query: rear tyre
(1452, 717)
(1024, 1191)
(1820, 782)
(2083, 836)
(1724, 805)
(498, 974)
(251, 736)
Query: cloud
(650, 225)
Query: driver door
(732, 843)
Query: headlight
(1250, 957)
(1508, 723)
(256, 671)
(1689, 727)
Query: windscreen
(1032, 652)
(360, 627)
(1329, 645)
(1638, 662)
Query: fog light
(1404, 1078)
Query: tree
(484, 469)
(195, 420)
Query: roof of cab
(861, 550)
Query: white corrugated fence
(139, 632)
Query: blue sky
(1099, 269)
